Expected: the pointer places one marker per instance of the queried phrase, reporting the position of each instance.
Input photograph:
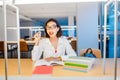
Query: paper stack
(75, 63)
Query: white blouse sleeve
(37, 51)
(68, 50)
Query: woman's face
(52, 29)
(89, 51)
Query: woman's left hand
(49, 59)
(53, 59)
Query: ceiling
(37, 10)
(47, 10)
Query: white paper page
(41, 62)
(56, 62)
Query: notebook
(43, 70)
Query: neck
(53, 38)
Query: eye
(51, 27)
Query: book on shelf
(75, 63)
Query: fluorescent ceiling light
(25, 18)
(52, 1)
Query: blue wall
(87, 25)
(41, 21)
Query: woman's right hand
(37, 38)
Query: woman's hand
(37, 38)
(53, 59)
(49, 59)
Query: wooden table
(15, 42)
(30, 42)
(58, 73)
(26, 67)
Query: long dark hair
(88, 50)
(59, 33)
(91, 52)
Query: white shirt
(48, 50)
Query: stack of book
(75, 63)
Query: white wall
(11, 19)
(11, 22)
(71, 23)
(1, 26)
(87, 22)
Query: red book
(43, 70)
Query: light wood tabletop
(58, 71)
(26, 67)
(96, 70)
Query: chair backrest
(2, 46)
(23, 46)
(96, 52)
(74, 44)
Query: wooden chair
(2, 48)
(24, 49)
(74, 44)
(96, 52)
(10, 51)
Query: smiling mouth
(51, 33)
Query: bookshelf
(10, 30)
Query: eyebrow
(51, 25)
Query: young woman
(89, 53)
(54, 46)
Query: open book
(43, 62)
